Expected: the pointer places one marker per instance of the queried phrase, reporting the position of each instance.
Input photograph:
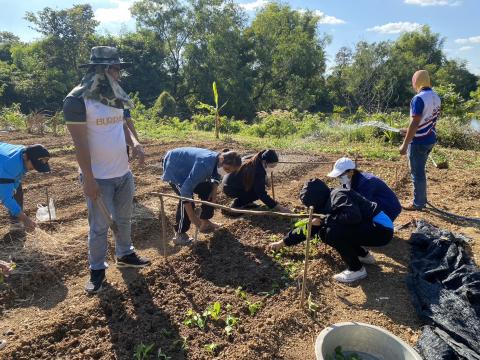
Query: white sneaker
(348, 276)
(182, 239)
(368, 259)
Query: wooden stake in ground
(164, 226)
(273, 186)
(48, 207)
(307, 253)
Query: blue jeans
(117, 194)
(418, 156)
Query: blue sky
(347, 21)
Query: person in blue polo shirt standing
(15, 161)
(420, 136)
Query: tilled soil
(48, 316)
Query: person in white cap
(367, 185)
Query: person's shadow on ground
(147, 325)
(225, 261)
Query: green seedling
(181, 344)
(214, 311)
(162, 356)
(241, 293)
(339, 355)
(229, 307)
(142, 351)
(312, 306)
(194, 318)
(166, 333)
(273, 291)
(254, 307)
(230, 323)
(211, 348)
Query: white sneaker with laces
(348, 276)
(368, 259)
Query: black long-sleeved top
(347, 207)
(235, 181)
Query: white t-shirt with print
(106, 140)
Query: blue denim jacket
(189, 166)
(11, 168)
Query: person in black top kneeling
(351, 221)
(249, 183)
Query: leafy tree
(289, 58)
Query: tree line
(277, 60)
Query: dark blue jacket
(374, 189)
(189, 166)
(12, 170)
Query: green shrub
(165, 105)
(206, 122)
(12, 118)
(455, 133)
(278, 123)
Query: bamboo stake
(164, 226)
(307, 253)
(48, 207)
(273, 186)
(239, 211)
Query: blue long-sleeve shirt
(189, 166)
(374, 189)
(11, 168)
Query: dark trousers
(347, 239)
(182, 222)
(18, 196)
(241, 196)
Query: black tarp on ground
(445, 287)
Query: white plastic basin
(369, 341)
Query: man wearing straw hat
(94, 114)
(15, 161)
(420, 136)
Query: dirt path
(51, 317)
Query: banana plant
(214, 110)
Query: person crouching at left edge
(15, 161)
(192, 170)
(351, 222)
(94, 114)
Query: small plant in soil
(181, 344)
(166, 333)
(253, 307)
(312, 306)
(214, 311)
(230, 323)
(242, 294)
(339, 355)
(162, 356)
(194, 319)
(273, 291)
(142, 351)
(211, 348)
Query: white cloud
(465, 48)
(327, 19)
(116, 14)
(257, 4)
(470, 40)
(433, 2)
(396, 28)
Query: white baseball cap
(341, 165)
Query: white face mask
(221, 171)
(345, 181)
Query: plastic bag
(42, 212)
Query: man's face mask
(221, 171)
(345, 181)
